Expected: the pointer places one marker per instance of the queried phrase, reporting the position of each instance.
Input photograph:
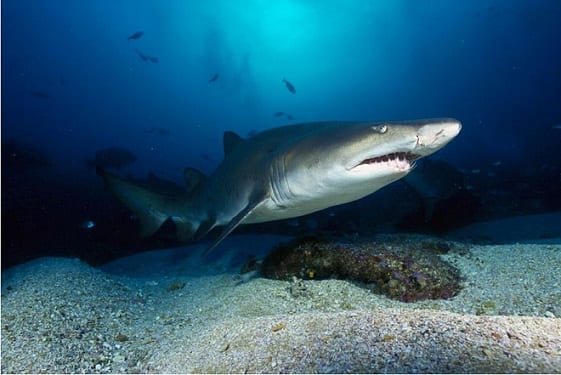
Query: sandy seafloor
(165, 311)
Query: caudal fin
(151, 208)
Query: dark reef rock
(407, 270)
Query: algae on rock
(401, 269)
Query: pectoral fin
(237, 220)
(204, 228)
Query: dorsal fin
(231, 140)
(193, 178)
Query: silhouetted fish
(279, 114)
(112, 157)
(136, 35)
(140, 54)
(40, 94)
(214, 78)
(146, 57)
(289, 117)
(289, 86)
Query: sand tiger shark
(286, 172)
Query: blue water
(73, 84)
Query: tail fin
(152, 209)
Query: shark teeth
(396, 156)
(396, 161)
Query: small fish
(140, 54)
(214, 78)
(289, 117)
(289, 86)
(136, 35)
(279, 114)
(497, 163)
(146, 57)
(476, 171)
(558, 126)
(88, 224)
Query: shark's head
(342, 162)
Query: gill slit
(279, 184)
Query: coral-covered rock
(401, 269)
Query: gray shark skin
(287, 172)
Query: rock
(401, 269)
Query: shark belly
(316, 200)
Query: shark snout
(437, 134)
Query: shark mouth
(399, 160)
(400, 156)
